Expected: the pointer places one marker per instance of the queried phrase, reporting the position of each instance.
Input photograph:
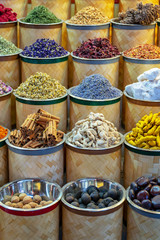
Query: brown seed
(14, 205)
(26, 206)
(20, 205)
(33, 204)
(22, 195)
(38, 206)
(43, 203)
(27, 200)
(37, 199)
(14, 199)
(9, 204)
(48, 202)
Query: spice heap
(94, 132)
(93, 197)
(22, 200)
(38, 130)
(44, 48)
(40, 86)
(144, 51)
(41, 15)
(145, 192)
(89, 16)
(96, 49)
(7, 48)
(146, 134)
(3, 132)
(96, 87)
(4, 88)
(143, 14)
(7, 14)
(147, 87)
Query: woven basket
(4, 161)
(29, 32)
(79, 33)
(57, 106)
(139, 162)
(124, 5)
(83, 67)
(46, 163)
(158, 34)
(8, 31)
(80, 108)
(126, 36)
(105, 6)
(5, 106)
(101, 224)
(83, 162)
(41, 223)
(55, 67)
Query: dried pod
(26, 206)
(21, 196)
(27, 200)
(9, 204)
(14, 199)
(33, 204)
(37, 199)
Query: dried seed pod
(33, 204)
(27, 200)
(37, 199)
(20, 204)
(26, 206)
(21, 196)
(9, 204)
(14, 199)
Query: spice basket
(158, 34)
(29, 32)
(3, 161)
(135, 109)
(139, 162)
(55, 67)
(105, 6)
(141, 223)
(8, 30)
(79, 33)
(5, 106)
(57, 106)
(106, 223)
(88, 162)
(125, 4)
(41, 223)
(18, 6)
(80, 108)
(46, 163)
(108, 67)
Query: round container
(158, 34)
(46, 163)
(55, 67)
(124, 5)
(40, 223)
(5, 106)
(105, 6)
(56, 106)
(18, 6)
(79, 33)
(81, 223)
(141, 223)
(4, 161)
(81, 107)
(89, 162)
(8, 30)
(135, 109)
(139, 162)
(108, 67)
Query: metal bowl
(98, 182)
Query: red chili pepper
(6, 14)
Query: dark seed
(69, 199)
(100, 201)
(153, 179)
(80, 201)
(143, 194)
(91, 189)
(76, 204)
(135, 187)
(111, 204)
(94, 196)
(78, 194)
(148, 187)
(146, 204)
(155, 190)
(107, 200)
(137, 202)
(143, 181)
(131, 194)
(85, 198)
(101, 194)
(101, 205)
(103, 189)
(112, 193)
(156, 202)
(105, 195)
(92, 206)
(82, 205)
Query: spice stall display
(124, 5)
(93, 148)
(41, 91)
(36, 150)
(18, 6)
(39, 222)
(95, 94)
(45, 54)
(103, 223)
(93, 57)
(39, 23)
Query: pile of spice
(147, 87)
(145, 192)
(4, 88)
(89, 16)
(94, 132)
(93, 197)
(40, 86)
(44, 48)
(7, 47)
(41, 15)
(3, 132)
(7, 14)
(144, 51)
(146, 134)
(38, 130)
(143, 14)
(96, 87)
(96, 48)
(22, 200)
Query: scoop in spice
(7, 47)
(7, 14)
(4, 88)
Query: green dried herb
(41, 15)
(7, 48)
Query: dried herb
(7, 14)
(3, 132)
(4, 88)
(7, 48)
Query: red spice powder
(6, 14)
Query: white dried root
(94, 132)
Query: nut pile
(94, 132)
(93, 197)
(22, 200)
(145, 192)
